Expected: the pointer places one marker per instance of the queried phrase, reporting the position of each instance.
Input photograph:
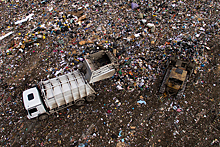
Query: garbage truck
(70, 89)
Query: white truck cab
(33, 103)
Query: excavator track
(163, 86)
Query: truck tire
(90, 98)
(43, 117)
(80, 66)
(79, 102)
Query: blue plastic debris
(120, 133)
(81, 145)
(141, 102)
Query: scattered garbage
(42, 40)
(134, 5)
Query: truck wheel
(43, 117)
(90, 98)
(79, 102)
(80, 66)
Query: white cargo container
(57, 93)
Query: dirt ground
(114, 119)
(154, 122)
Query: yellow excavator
(176, 76)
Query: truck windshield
(30, 96)
(32, 110)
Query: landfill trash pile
(41, 40)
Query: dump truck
(176, 77)
(70, 89)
